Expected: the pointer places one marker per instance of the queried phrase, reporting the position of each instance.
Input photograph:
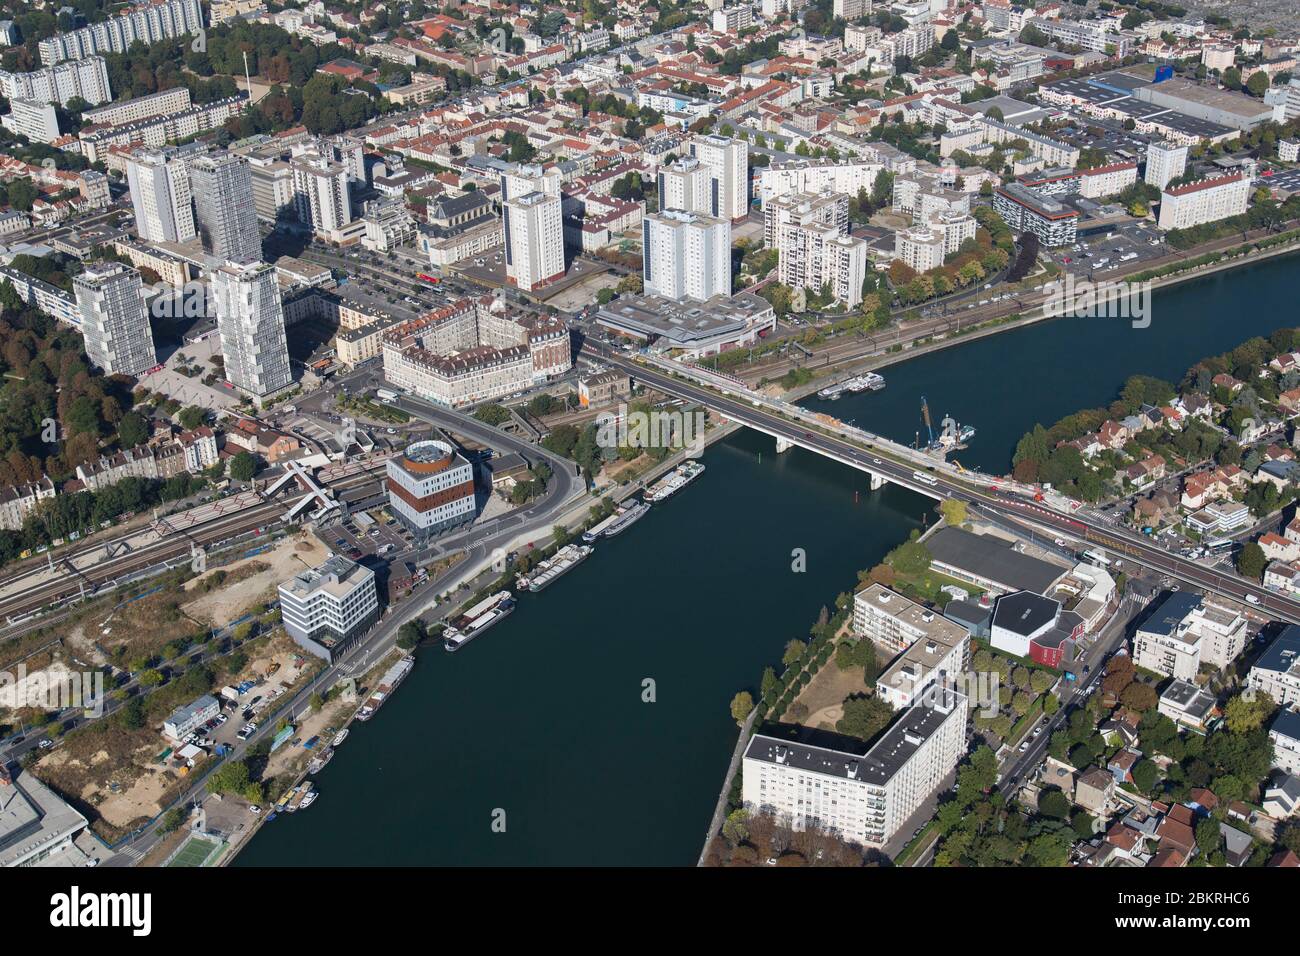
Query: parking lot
(359, 540)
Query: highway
(995, 499)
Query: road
(479, 544)
(878, 458)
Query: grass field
(196, 851)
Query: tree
(741, 705)
(243, 466)
(953, 511)
(864, 717)
(1054, 803)
(1247, 712)
(1145, 775)
(192, 417)
(1139, 697)
(1258, 83)
(1251, 561)
(131, 430)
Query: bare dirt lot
(251, 581)
(824, 695)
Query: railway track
(89, 580)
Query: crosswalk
(134, 853)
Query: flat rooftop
(32, 816)
(992, 559)
(879, 764)
(684, 323)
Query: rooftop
(885, 758)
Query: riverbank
(933, 342)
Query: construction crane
(925, 417)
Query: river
(541, 722)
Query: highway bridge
(887, 461)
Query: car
(222, 718)
(46, 744)
(1252, 599)
(242, 735)
(1024, 746)
(255, 809)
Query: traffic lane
(1233, 587)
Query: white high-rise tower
(160, 195)
(113, 319)
(250, 319)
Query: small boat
(321, 760)
(308, 800)
(341, 736)
(674, 481)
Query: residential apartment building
(920, 249)
(19, 501)
(1165, 162)
(816, 176)
(863, 799)
(326, 609)
(224, 213)
(687, 185)
(250, 321)
(815, 251)
(728, 163)
(140, 108)
(686, 255)
(38, 121)
(1185, 633)
(114, 323)
(732, 19)
(931, 649)
(430, 488)
(148, 23)
(473, 350)
(320, 195)
(87, 79)
(160, 195)
(534, 234)
(1205, 201)
(1284, 732)
(1277, 672)
(97, 142)
(388, 225)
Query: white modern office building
(225, 216)
(686, 255)
(534, 234)
(1208, 200)
(430, 488)
(325, 609)
(728, 163)
(114, 322)
(250, 321)
(860, 798)
(160, 195)
(1165, 162)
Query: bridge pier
(783, 444)
(877, 481)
